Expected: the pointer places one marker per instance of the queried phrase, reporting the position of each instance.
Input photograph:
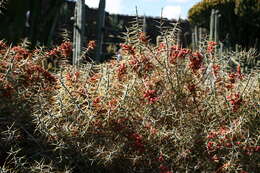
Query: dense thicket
(239, 18)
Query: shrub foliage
(160, 109)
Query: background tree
(240, 19)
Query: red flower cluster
(38, 69)
(232, 80)
(138, 142)
(142, 65)
(216, 69)
(3, 46)
(192, 88)
(128, 48)
(147, 65)
(160, 158)
(150, 95)
(96, 101)
(235, 100)
(94, 78)
(65, 49)
(222, 140)
(211, 46)
(91, 45)
(178, 53)
(68, 76)
(53, 52)
(234, 76)
(113, 104)
(27, 76)
(164, 169)
(219, 139)
(161, 47)
(210, 145)
(121, 70)
(72, 77)
(20, 53)
(249, 150)
(196, 60)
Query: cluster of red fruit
(211, 46)
(235, 101)
(65, 50)
(178, 53)
(151, 96)
(121, 71)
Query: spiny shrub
(160, 109)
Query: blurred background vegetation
(42, 20)
(240, 19)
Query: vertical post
(193, 41)
(79, 29)
(158, 40)
(227, 42)
(185, 39)
(216, 32)
(196, 37)
(212, 24)
(59, 9)
(200, 37)
(221, 46)
(100, 29)
(179, 38)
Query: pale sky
(171, 8)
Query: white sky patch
(171, 1)
(92, 3)
(112, 6)
(179, 1)
(172, 12)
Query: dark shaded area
(43, 17)
(49, 19)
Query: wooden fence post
(193, 41)
(200, 37)
(179, 38)
(100, 29)
(212, 25)
(79, 29)
(196, 37)
(216, 32)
